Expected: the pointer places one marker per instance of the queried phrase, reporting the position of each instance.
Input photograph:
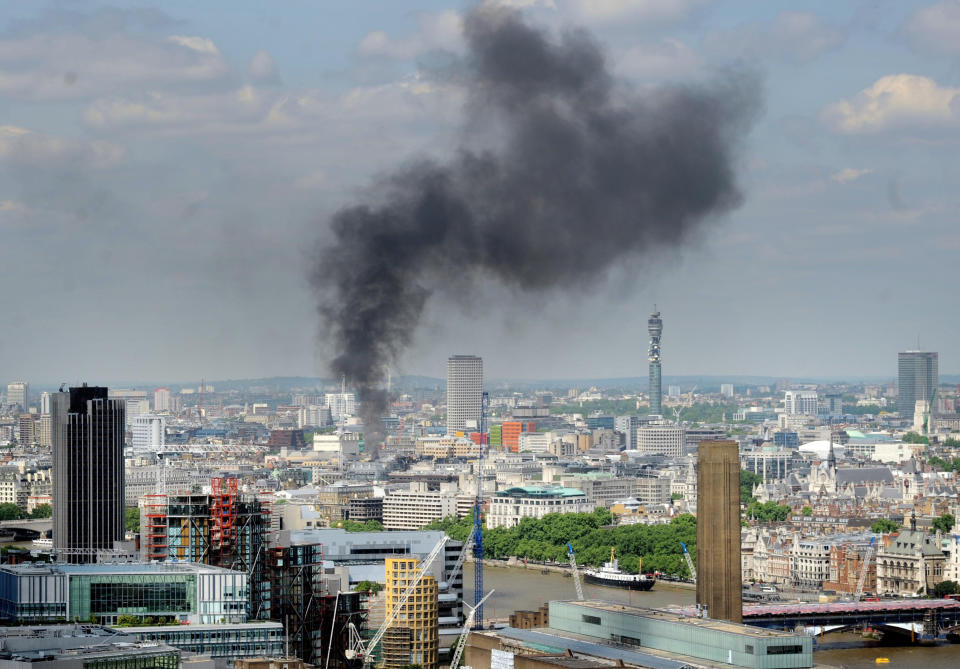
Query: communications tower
(655, 328)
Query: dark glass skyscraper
(917, 379)
(655, 328)
(88, 477)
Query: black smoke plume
(586, 174)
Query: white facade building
(508, 507)
(341, 405)
(464, 393)
(660, 438)
(148, 433)
(161, 399)
(726, 389)
(412, 509)
(44, 403)
(800, 402)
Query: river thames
(529, 589)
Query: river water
(528, 589)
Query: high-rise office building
(88, 475)
(718, 530)
(464, 393)
(18, 395)
(800, 402)
(161, 399)
(45, 402)
(148, 433)
(917, 380)
(655, 328)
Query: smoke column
(588, 174)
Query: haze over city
(170, 174)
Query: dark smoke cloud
(587, 175)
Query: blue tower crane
(478, 525)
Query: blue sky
(168, 171)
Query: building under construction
(225, 528)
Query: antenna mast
(478, 524)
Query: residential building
(180, 592)
(726, 389)
(88, 472)
(600, 488)
(413, 638)
(917, 379)
(136, 401)
(661, 438)
(508, 507)
(464, 393)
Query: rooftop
(540, 491)
(115, 568)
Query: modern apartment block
(918, 377)
(88, 473)
(464, 393)
(413, 638)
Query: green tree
(768, 511)
(676, 495)
(806, 511)
(10, 511)
(132, 519)
(914, 438)
(747, 480)
(41, 511)
(368, 586)
(944, 588)
(944, 523)
(884, 526)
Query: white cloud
(848, 174)
(203, 45)
(435, 31)
(893, 101)
(60, 65)
(793, 37)
(935, 28)
(22, 146)
(262, 68)
(606, 11)
(667, 58)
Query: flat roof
(116, 568)
(670, 616)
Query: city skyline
(194, 165)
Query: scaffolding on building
(153, 531)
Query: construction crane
(365, 651)
(576, 572)
(686, 556)
(478, 523)
(863, 571)
(462, 641)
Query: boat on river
(610, 575)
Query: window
(748, 649)
(593, 620)
(784, 650)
